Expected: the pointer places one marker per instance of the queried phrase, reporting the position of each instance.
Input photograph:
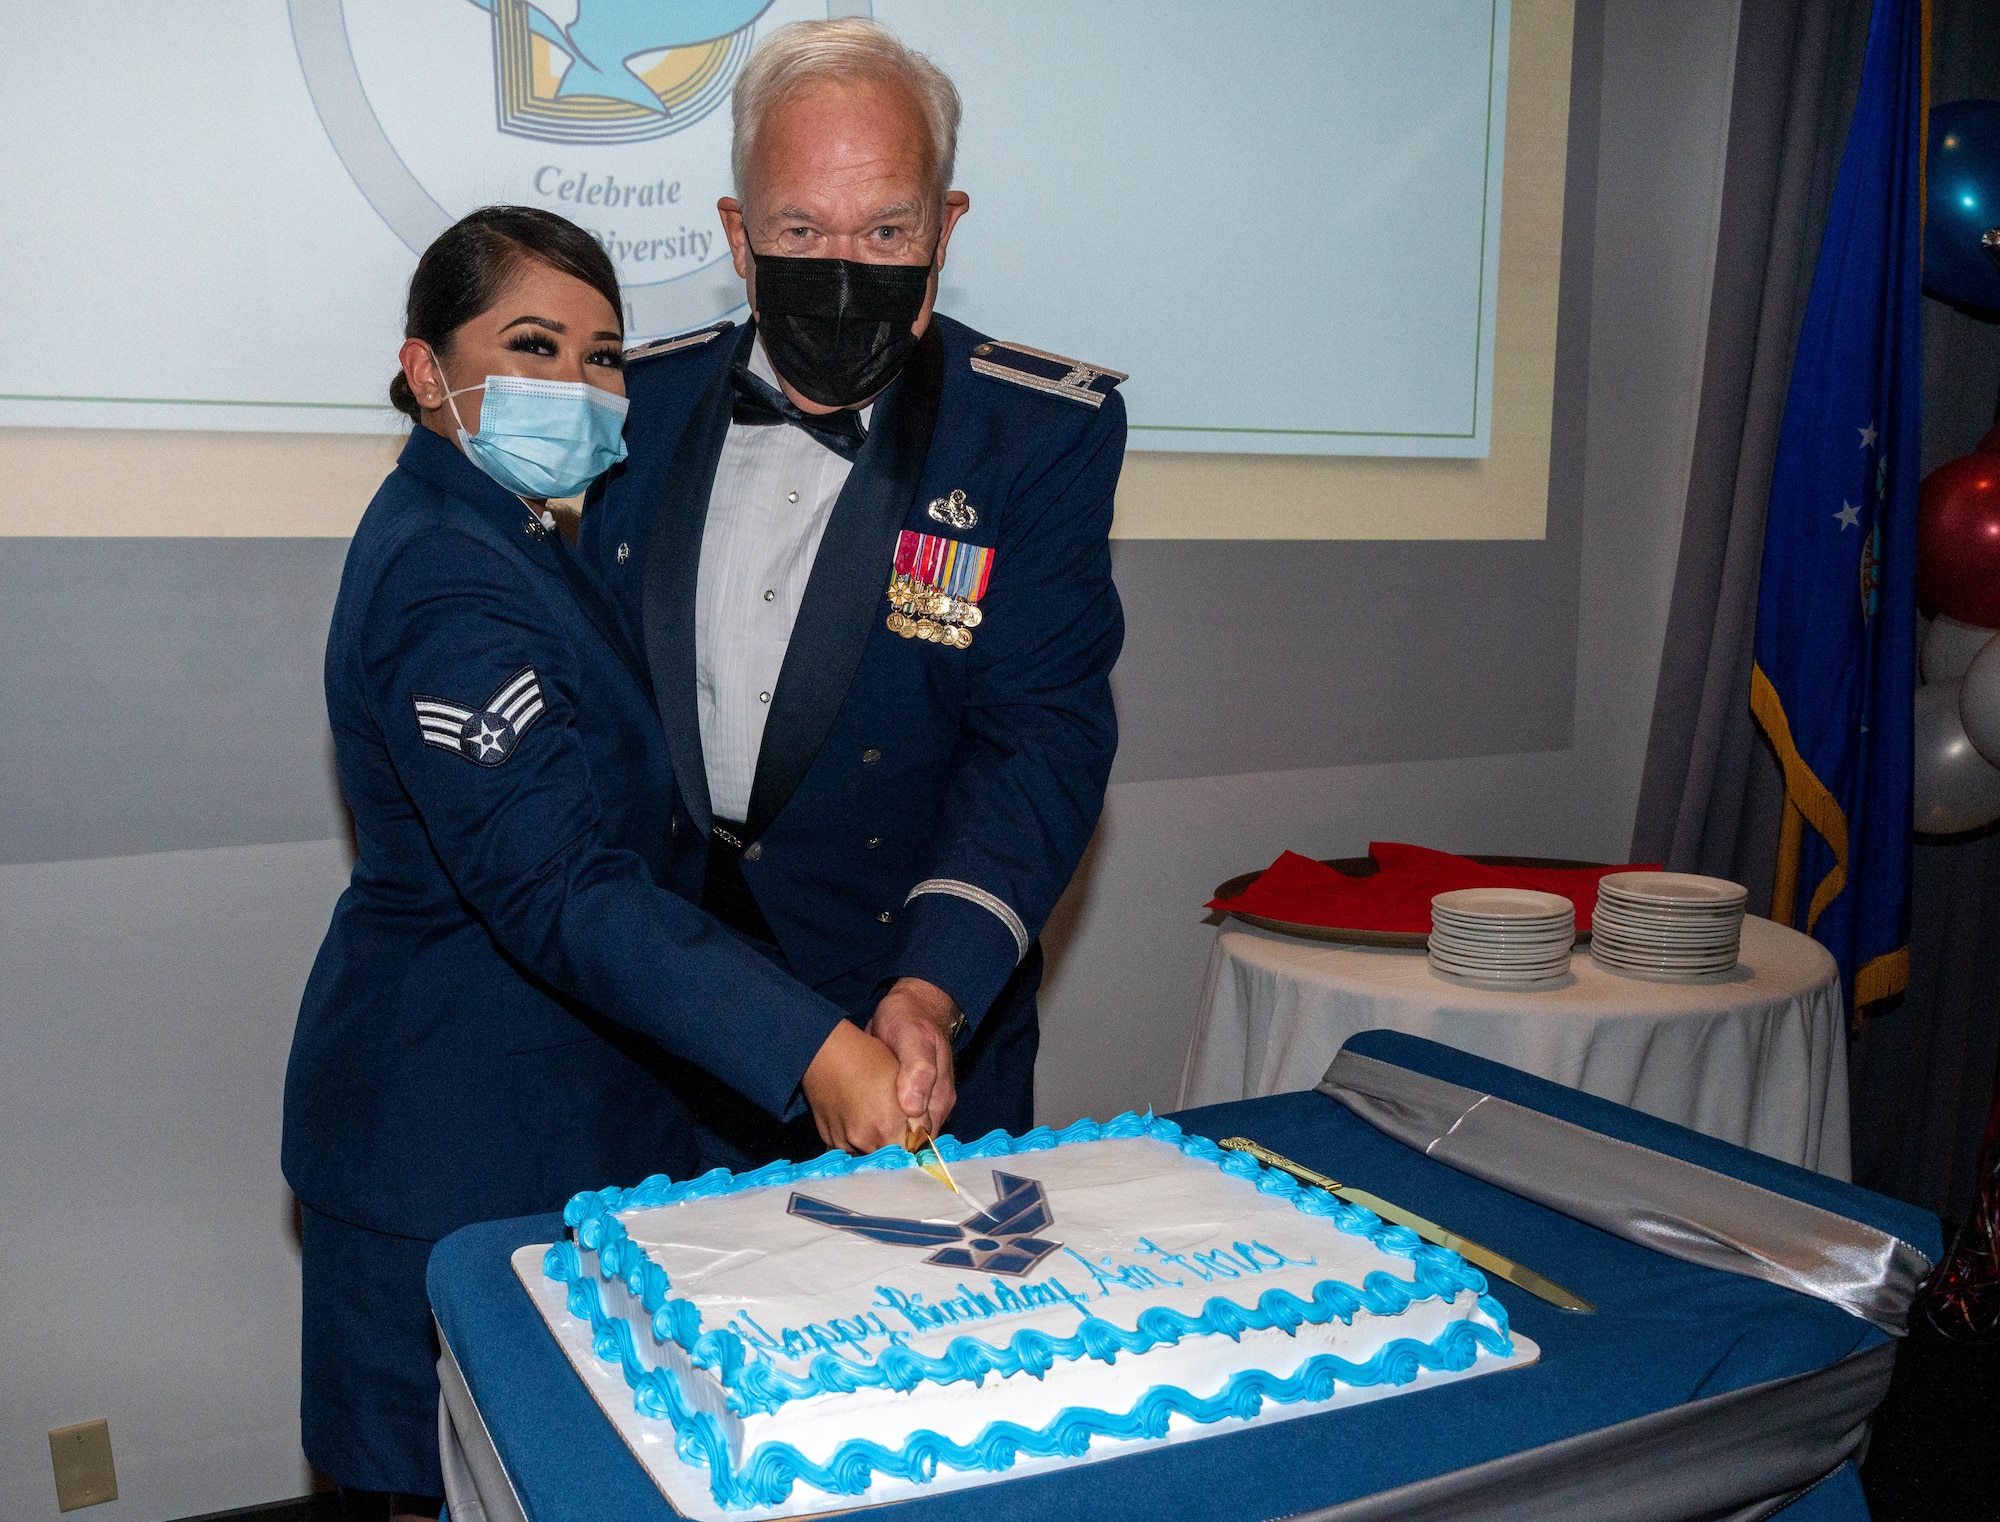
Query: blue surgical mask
(543, 438)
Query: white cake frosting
(834, 1324)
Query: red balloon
(1958, 539)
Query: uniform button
(886, 917)
(673, 828)
(874, 841)
(791, 496)
(769, 595)
(870, 756)
(754, 851)
(624, 553)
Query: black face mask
(836, 329)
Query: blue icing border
(756, 1386)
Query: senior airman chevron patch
(1046, 372)
(486, 735)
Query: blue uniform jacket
(507, 988)
(917, 808)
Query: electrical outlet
(82, 1456)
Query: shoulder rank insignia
(486, 735)
(1046, 372)
(936, 586)
(658, 346)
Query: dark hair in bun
(464, 271)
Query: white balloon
(1949, 647)
(1979, 702)
(1955, 787)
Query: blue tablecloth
(1666, 1333)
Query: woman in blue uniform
(506, 992)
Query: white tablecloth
(1759, 1059)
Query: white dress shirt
(775, 487)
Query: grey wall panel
(146, 1011)
(1129, 942)
(1272, 655)
(164, 694)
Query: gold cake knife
(919, 1142)
(1430, 1231)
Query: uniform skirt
(368, 1406)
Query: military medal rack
(935, 589)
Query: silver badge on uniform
(487, 735)
(954, 510)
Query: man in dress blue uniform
(865, 550)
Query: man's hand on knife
(914, 1020)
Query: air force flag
(488, 734)
(1833, 682)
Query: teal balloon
(1963, 205)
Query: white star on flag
(1849, 515)
(1867, 436)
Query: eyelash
(536, 343)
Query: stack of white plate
(1510, 936)
(1666, 926)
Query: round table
(1758, 1058)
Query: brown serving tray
(1365, 866)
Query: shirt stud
(763, 697)
(791, 496)
(770, 595)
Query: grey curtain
(1710, 800)
(1710, 795)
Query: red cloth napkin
(1398, 896)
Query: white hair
(804, 53)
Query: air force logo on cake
(1004, 1240)
(613, 113)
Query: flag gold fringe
(1804, 791)
(1785, 881)
(1807, 798)
(1887, 974)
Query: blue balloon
(1963, 206)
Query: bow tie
(759, 403)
